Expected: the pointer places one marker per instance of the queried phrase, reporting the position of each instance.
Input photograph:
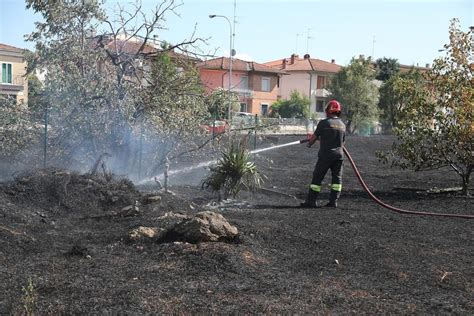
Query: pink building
(308, 76)
(256, 85)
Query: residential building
(408, 68)
(309, 76)
(257, 85)
(13, 82)
(136, 57)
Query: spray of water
(274, 147)
(210, 162)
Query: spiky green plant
(233, 172)
(30, 297)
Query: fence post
(166, 173)
(140, 152)
(255, 133)
(45, 138)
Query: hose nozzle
(304, 141)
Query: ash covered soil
(68, 236)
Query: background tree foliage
(218, 101)
(102, 90)
(353, 86)
(436, 127)
(386, 68)
(16, 131)
(296, 106)
(392, 98)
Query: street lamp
(231, 53)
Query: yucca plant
(233, 172)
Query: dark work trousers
(320, 170)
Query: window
(319, 106)
(244, 83)
(6, 73)
(243, 107)
(321, 82)
(266, 84)
(264, 109)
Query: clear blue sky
(411, 31)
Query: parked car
(219, 126)
(242, 114)
(243, 119)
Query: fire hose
(385, 205)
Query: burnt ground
(65, 234)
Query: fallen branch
(264, 190)
(10, 230)
(15, 233)
(445, 190)
(429, 191)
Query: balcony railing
(320, 93)
(243, 92)
(16, 85)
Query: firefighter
(331, 134)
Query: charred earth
(84, 244)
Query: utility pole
(233, 27)
(231, 54)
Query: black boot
(333, 197)
(311, 200)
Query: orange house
(309, 76)
(257, 85)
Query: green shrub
(30, 297)
(233, 172)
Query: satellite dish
(233, 52)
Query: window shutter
(4, 73)
(9, 73)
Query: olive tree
(98, 69)
(436, 126)
(17, 129)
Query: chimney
(306, 56)
(427, 65)
(283, 63)
(293, 56)
(333, 61)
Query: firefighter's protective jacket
(331, 133)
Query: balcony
(243, 92)
(320, 93)
(16, 85)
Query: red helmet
(333, 108)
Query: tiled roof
(9, 48)
(407, 68)
(304, 64)
(222, 63)
(123, 46)
(132, 47)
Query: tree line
(106, 92)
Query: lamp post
(231, 53)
